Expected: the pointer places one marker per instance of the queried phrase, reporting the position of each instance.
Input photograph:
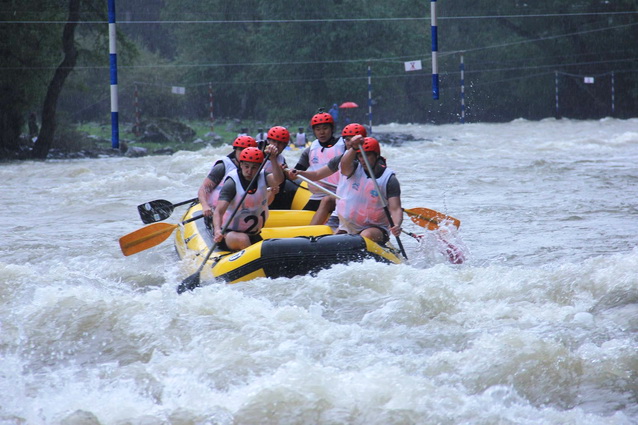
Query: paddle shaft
(383, 201)
(318, 186)
(186, 202)
(414, 235)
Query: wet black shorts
(386, 236)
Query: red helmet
(252, 154)
(244, 142)
(370, 144)
(322, 118)
(354, 129)
(279, 133)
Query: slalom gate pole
(435, 50)
(370, 99)
(115, 131)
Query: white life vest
(254, 210)
(360, 206)
(318, 156)
(213, 196)
(300, 140)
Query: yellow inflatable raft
(291, 247)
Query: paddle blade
(146, 237)
(188, 284)
(430, 219)
(153, 211)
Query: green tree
(39, 51)
(284, 59)
(280, 61)
(513, 50)
(27, 55)
(47, 131)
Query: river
(538, 326)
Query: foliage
(23, 74)
(277, 62)
(266, 58)
(34, 64)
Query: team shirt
(253, 212)
(360, 206)
(318, 155)
(220, 170)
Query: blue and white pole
(115, 131)
(462, 90)
(370, 98)
(435, 51)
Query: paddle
(294, 182)
(422, 216)
(192, 281)
(430, 219)
(318, 186)
(383, 201)
(158, 210)
(149, 236)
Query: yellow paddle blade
(430, 219)
(146, 237)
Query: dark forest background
(278, 61)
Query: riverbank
(161, 137)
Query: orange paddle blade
(146, 237)
(430, 219)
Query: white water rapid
(539, 326)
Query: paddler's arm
(302, 164)
(304, 160)
(394, 205)
(276, 177)
(226, 195)
(348, 158)
(208, 185)
(218, 214)
(393, 189)
(319, 174)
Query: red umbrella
(348, 105)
